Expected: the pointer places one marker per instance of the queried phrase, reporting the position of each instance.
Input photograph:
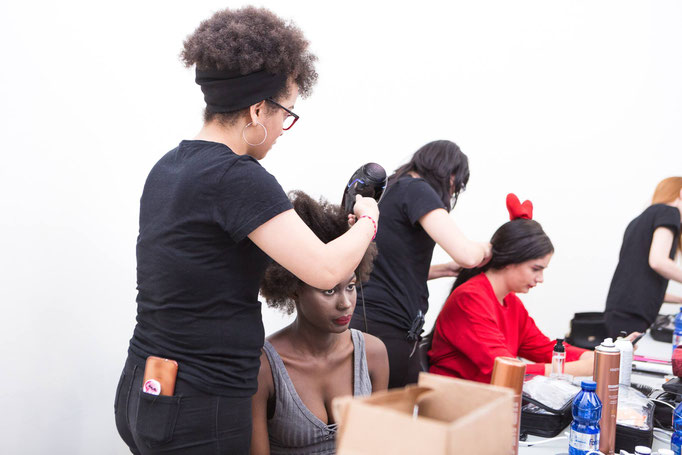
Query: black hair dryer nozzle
(368, 181)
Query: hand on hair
(487, 253)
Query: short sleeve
(420, 199)
(246, 197)
(669, 217)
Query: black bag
(587, 330)
(663, 328)
(665, 403)
(540, 420)
(627, 438)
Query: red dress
(473, 328)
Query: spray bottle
(509, 372)
(558, 359)
(626, 351)
(606, 374)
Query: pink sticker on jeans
(152, 387)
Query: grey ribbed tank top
(294, 429)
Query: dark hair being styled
(436, 162)
(247, 40)
(516, 241)
(328, 222)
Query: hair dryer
(368, 181)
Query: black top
(397, 289)
(636, 288)
(197, 271)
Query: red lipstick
(343, 321)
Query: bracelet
(373, 222)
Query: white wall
(574, 105)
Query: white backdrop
(574, 105)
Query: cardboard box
(454, 417)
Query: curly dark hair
(247, 40)
(327, 221)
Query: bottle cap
(590, 386)
(622, 334)
(608, 342)
(665, 452)
(559, 346)
(642, 450)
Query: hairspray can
(606, 374)
(509, 372)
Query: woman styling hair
(647, 262)
(210, 216)
(483, 318)
(316, 358)
(414, 218)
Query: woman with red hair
(647, 262)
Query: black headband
(229, 91)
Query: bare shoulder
(375, 350)
(377, 362)
(265, 383)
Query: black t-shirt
(397, 289)
(198, 273)
(636, 288)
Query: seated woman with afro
(316, 358)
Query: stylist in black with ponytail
(210, 216)
(414, 217)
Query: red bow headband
(517, 209)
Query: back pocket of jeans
(156, 417)
(118, 391)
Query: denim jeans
(189, 422)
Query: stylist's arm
(288, 240)
(445, 232)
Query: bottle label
(675, 447)
(583, 441)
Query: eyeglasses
(290, 119)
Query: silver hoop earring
(244, 135)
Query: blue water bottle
(676, 440)
(677, 334)
(584, 436)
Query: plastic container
(676, 440)
(677, 333)
(558, 359)
(626, 351)
(584, 434)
